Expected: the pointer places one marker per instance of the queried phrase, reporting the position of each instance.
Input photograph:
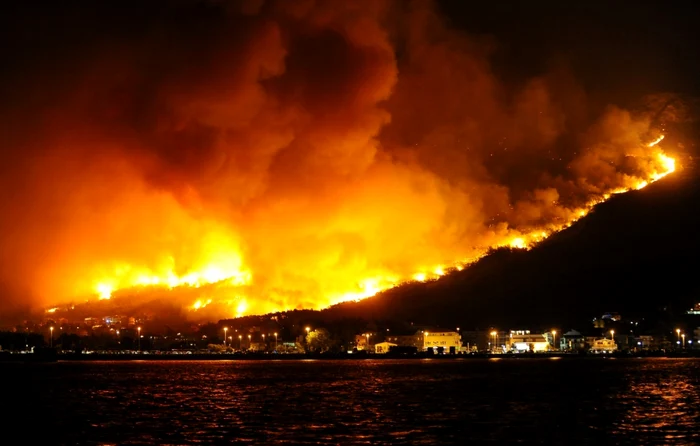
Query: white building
(444, 339)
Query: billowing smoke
(294, 153)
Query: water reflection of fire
(661, 404)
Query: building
(522, 341)
(383, 347)
(646, 342)
(572, 341)
(604, 345)
(447, 340)
(364, 341)
(414, 340)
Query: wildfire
(518, 243)
(225, 267)
(200, 304)
(220, 261)
(287, 158)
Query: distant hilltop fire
(281, 155)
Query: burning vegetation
(280, 155)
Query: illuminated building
(364, 341)
(383, 347)
(604, 345)
(448, 340)
(695, 310)
(522, 341)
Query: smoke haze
(295, 153)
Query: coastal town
(291, 333)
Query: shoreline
(164, 357)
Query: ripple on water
(361, 402)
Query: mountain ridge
(632, 254)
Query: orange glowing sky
(284, 153)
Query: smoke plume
(294, 154)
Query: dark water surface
(430, 402)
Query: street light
(248, 342)
(494, 333)
(678, 333)
(264, 345)
(225, 333)
(554, 339)
(239, 341)
(139, 330)
(51, 339)
(683, 336)
(612, 335)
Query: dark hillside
(633, 254)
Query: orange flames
(223, 265)
(279, 155)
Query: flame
(518, 243)
(220, 261)
(223, 264)
(420, 277)
(241, 308)
(104, 290)
(199, 303)
(287, 158)
(656, 141)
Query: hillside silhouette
(635, 254)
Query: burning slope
(281, 155)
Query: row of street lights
(240, 338)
